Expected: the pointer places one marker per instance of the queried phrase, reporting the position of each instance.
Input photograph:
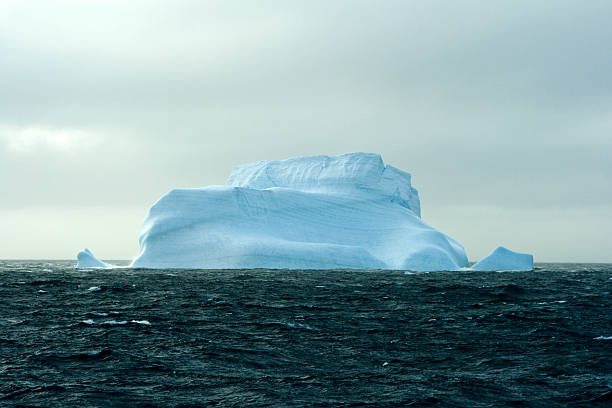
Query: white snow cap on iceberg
(351, 173)
(503, 259)
(87, 260)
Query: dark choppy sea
(304, 338)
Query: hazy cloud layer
(502, 111)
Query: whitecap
(144, 322)
(294, 325)
(94, 289)
(88, 321)
(603, 338)
(114, 322)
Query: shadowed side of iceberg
(503, 259)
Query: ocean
(279, 338)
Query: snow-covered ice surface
(503, 259)
(348, 211)
(87, 260)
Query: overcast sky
(500, 110)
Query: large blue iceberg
(349, 211)
(321, 212)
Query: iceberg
(342, 212)
(350, 211)
(87, 260)
(503, 259)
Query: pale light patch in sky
(29, 140)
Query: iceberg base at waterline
(351, 211)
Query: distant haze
(500, 110)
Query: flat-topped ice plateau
(341, 212)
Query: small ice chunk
(87, 260)
(385, 364)
(42, 291)
(94, 289)
(503, 259)
(88, 321)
